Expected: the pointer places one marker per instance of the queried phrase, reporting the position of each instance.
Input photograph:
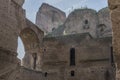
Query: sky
(32, 6)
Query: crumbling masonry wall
(12, 23)
(114, 6)
(49, 18)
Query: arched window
(34, 60)
(72, 56)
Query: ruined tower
(49, 18)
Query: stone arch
(29, 38)
(31, 42)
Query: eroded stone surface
(49, 18)
(114, 6)
(49, 57)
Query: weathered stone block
(19, 2)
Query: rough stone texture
(92, 57)
(19, 2)
(57, 32)
(21, 73)
(48, 58)
(98, 24)
(81, 21)
(49, 18)
(104, 27)
(32, 40)
(9, 34)
(114, 6)
(12, 23)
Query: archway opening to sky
(20, 49)
(28, 43)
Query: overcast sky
(32, 6)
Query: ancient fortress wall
(104, 28)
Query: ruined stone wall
(12, 23)
(114, 6)
(8, 25)
(32, 39)
(92, 61)
(10, 11)
(104, 28)
(114, 11)
(98, 24)
(52, 21)
(81, 21)
(49, 18)
(22, 73)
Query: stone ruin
(72, 54)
